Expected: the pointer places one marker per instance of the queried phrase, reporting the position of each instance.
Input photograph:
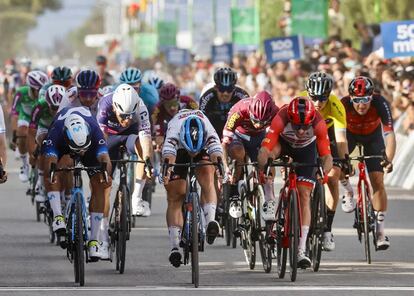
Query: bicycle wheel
(246, 225)
(194, 241)
(281, 248)
(49, 215)
(366, 221)
(293, 234)
(79, 256)
(264, 246)
(318, 225)
(123, 229)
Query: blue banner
(283, 49)
(398, 39)
(222, 53)
(178, 56)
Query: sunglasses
(126, 116)
(87, 93)
(319, 98)
(225, 89)
(303, 127)
(257, 121)
(361, 100)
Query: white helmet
(36, 79)
(125, 99)
(54, 95)
(77, 133)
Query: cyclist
(190, 135)
(62, 76)
(3, 151)
(170, 103)
(86, 92)
(244, 131)
(101, 64)
(75, 131)
(155, 81)
(217, 101)
(300, 132)
(41, 119)
(147, 92)
(124, 120)
(318, 88)
(370, 123)
(24, 101)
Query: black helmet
(61, 75)
(319, 84)
(361, 86)
(225, 79)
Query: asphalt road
(29, 264)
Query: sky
(53, 24)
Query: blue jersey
(149, 95)
(57, 147)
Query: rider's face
(224, 96)
(87, 97)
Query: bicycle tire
(233, 225)
(79, 256)
(281, 250)
(293, 234)
(194, 240)
(123, 230)
(52, 234)
(248, 245)
(264, 247)
(319, 223)
(37, 211)
(366, 221)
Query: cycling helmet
(54, 95)
(361, 86)
(155, 82)
(125, 99)
(88, 79)
(61, 75)
(262, 108)
(100, 59)
(301, 111)
(169, 92)
(76, 132)
(192, 134)
(26, 62)
(225, 78)
(36, 79)
(131, 76)
(319, 84)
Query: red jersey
(379, 112)
(160, 116)
(282, 127)
(238, 121)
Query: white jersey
(2, 125)
(71, 99)
(172, 138)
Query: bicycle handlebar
(101, 168)
(218, 164)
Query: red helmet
(169, 91)
(361, 86)
(301, 111)
(262, 108)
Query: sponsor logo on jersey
(232, 121)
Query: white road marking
(212, 288)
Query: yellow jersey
(333, 112)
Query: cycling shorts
(334, 146)
(373, 145)
(251, 144)
(183, 157)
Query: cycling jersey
(41, 115)
(23, 104)
(379, 112)
(238, 121)
(172, 139)
(281, 126)
(333, 112)
(109, 123)
(217, 111)
(57, 147)
(2, 124)
(71, 100)
(160, 116)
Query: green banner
(310, 18)
(167, 32)
(245, 26)
(145, 45)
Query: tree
(17, 17)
